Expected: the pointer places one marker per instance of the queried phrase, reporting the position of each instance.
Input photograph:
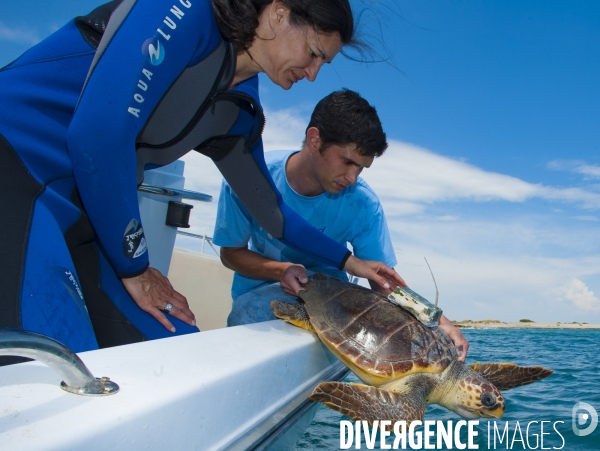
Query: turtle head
(476, 397)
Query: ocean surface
(573, 355)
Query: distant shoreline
(495, 324)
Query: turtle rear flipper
(509, 375)
(292, 313)
(365, 403)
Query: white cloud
(563, 165)
(410, 173)
(18, 35)
(591, 171)
(510, 236)
(579, 294)
(402, 208)
(447, 218)
(284, 130)
(482, 279)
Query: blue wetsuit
(82, 114)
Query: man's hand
(252, 264)
(460, 342)
(292, 278)
(377, 272)
(152, 291)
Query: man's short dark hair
(344, 117)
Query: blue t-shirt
(352, 216)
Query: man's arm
(233, 231)
(461, 343)
(251, 264)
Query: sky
(492, 111)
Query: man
(321, 182)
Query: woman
(87, 109)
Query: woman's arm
(138, 58)
(145, 47)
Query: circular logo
(154, 51)
(580, 419)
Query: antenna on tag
(436, 288)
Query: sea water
(574, 355)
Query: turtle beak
(471, 414)
(495, 413)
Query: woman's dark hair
(238, 19)
(344, 117)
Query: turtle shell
(378, 340)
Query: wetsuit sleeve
(145, 47)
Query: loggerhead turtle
(405, 364)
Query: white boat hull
(223, 389)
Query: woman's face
(289, 53)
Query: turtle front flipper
(292, 313)
(508, 375)
(365, 403)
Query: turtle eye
(488, 399)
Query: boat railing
(175, 192)
(76, 378)
(205, 239)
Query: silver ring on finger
(168, 307)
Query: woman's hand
(293, 278)
(152, 291)
(378, 272)
(460, 342)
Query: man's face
(338, 167)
